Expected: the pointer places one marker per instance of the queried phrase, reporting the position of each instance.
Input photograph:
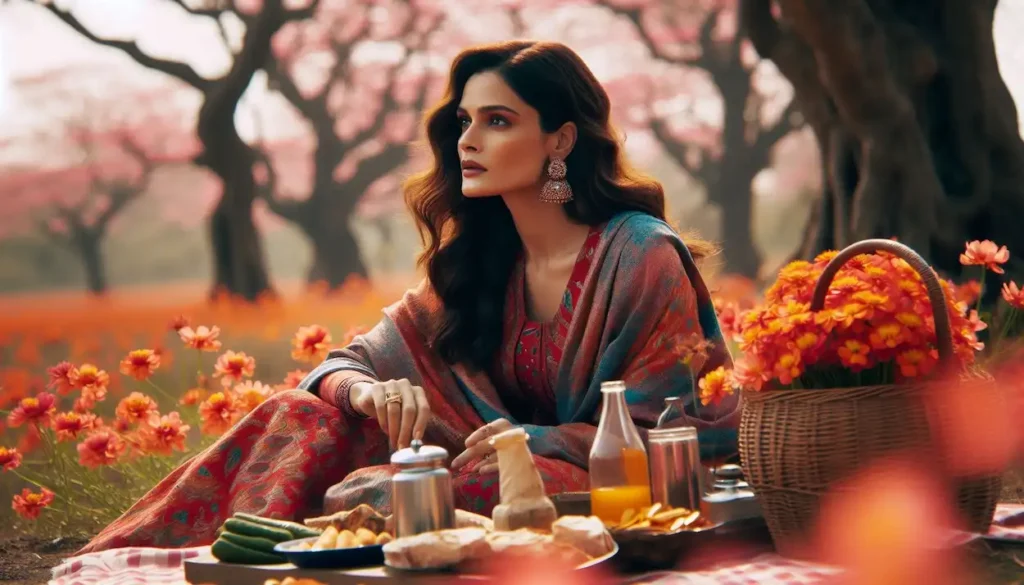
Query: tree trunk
(335, 254)
(89, 250)
(919, 132)
(239, 265)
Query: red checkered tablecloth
(131, 566)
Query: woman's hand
(478, 444)
(399, 408)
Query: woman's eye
(498, 121)
(463, 123)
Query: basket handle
(937, 298)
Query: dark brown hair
(471, 244)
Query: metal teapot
(422, 496)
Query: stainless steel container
(422, 497)
(730, 498)
(676, 472)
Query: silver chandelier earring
(556, 189)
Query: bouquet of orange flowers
(876, 327)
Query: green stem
(57, 496)
(981, 290)
(161, 391)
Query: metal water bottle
(674, 455)
(422, 496)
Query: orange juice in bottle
(619, 477)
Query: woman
(528, 191)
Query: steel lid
(418, 456)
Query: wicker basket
(795, 444)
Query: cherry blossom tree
(97, 159)
(919, 134)
(715, 108)
(358, 76)
(239, 260)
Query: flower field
(102, 398)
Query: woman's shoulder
(641, 233)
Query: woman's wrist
(355, 393)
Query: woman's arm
(334, 379)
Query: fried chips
(660, 519)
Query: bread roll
(586, 533)
(436, 550)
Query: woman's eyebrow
(492, 108)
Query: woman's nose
(468, 141)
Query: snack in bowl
(365, 516)
(660, 519)
(332, 538)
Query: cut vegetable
(239, 526)
(298, 530)
(229, 552)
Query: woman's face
(502, 147)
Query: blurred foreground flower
(201, 338)
(311, 344)
(140, 364)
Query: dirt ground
(26, 560)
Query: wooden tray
(206, 570)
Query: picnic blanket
(131, 566)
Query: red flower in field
(10, 458)
(233, 366)
(202, 338)
(166, 436)
(69, 425)
(291, 380)
(140, 364)
(218, 413)
(1013, 295)
(29, 504)
(38, 410)
(178, 323)
(193, 397)
(102, 447)
(137, 408)
(93, 382)
(249, 395)
(985, 253)
(311, 344)
(60, 378)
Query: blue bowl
(332, 558)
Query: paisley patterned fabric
(627, 318)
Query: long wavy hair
(471, 244)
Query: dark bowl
(641, 550)
(332, 558)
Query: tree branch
(214, 12)
(757, 22)
(767, 137)
(176, 69)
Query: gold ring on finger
(394, 398)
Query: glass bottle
(619, 476)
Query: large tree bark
(92, 262)
(918, 131)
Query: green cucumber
(298, 530)
(252, 542)
(239, 526)
(229, 552)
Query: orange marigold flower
(249, 395)
(166, 436)
(788, 367)
(967, 292)
(29, 504)
(69, 425)
(218, 413)
(193, 397)
(1013, 295)
(748, 373)
(137, 408)
(910, 320)
(178, 323)
(10, 458)
(887, 335)
(101, 447)
(140, 364)
(311, 344)
(232, 367)
(60, 378)
(715, 385)
(985, 253)
(826, 256)
(916, 362)
(201, 338)
(854, 354)
(93, 382)
(36, 410)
